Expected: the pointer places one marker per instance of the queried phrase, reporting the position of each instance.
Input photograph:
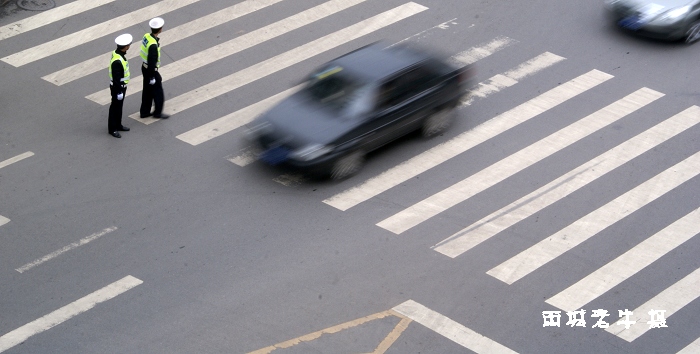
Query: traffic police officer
(118, 79)
(152, 81)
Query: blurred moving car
(356, 104)
(661, 19)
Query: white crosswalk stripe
(511, 77)
(586, 227)
(568, 183)
(509, 166)
(49, 16)
(306, 51)
(233, 46)
(692, 348)
(171, 36)
(465, 141)
(233, 120)
(91, 33)
(671, 300)
(628, 264)
(5, 163)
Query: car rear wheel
(347, 165)
(693, 33)
(438, 122)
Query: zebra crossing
(514, 269)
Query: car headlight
(673, 14)
(310, 152)
(258, 129)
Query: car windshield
(330, 86)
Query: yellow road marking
(330, 330)
(394, 334)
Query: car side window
(406, 86)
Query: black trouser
(114, 122)
(151, 93)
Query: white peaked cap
(156, 22)
(124, 39)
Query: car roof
(375, 62)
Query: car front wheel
(693, 33)
(437, 122)
(347, 165)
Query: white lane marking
(489, 226)
(65, 313)
(628, 264)
(17, 158)
(465, 141)
(586, 227)
(692, 348)
(672, 299)
(450, 329)
(306, 51)
(443, 25)
(472, 55)
(57, 253)
(511, 77)
(49, 16)
(91, 33)
(170, 36)
(526, 157)
(233, 120)
(290, 180)
(236, 45)
(3, 220)
(244, 158)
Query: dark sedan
(661, 19)
(356, 104)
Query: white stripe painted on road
(465, 141)
(3, 220)
(450, 329)
(57, 253)
(65, 313)
(17, 158)
(91, 33)
(568, 183)
(499, 171)
(235, 45)
(472, 55)
(233, 120)
(586, 227)
(511, 77)
(49, 16)
(672, 299)
(692, 348)
(173, 35)
(243, 158)
(306, 51)
(628, 264)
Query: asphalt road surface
(569, 182)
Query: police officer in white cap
(118, 79)
(152, 81)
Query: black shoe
(115, 134)
(146, 115)
(124, 129)
(161, 116)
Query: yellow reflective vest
(125, 65)
(146, 43)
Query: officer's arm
(152, 60)
(117, 74)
